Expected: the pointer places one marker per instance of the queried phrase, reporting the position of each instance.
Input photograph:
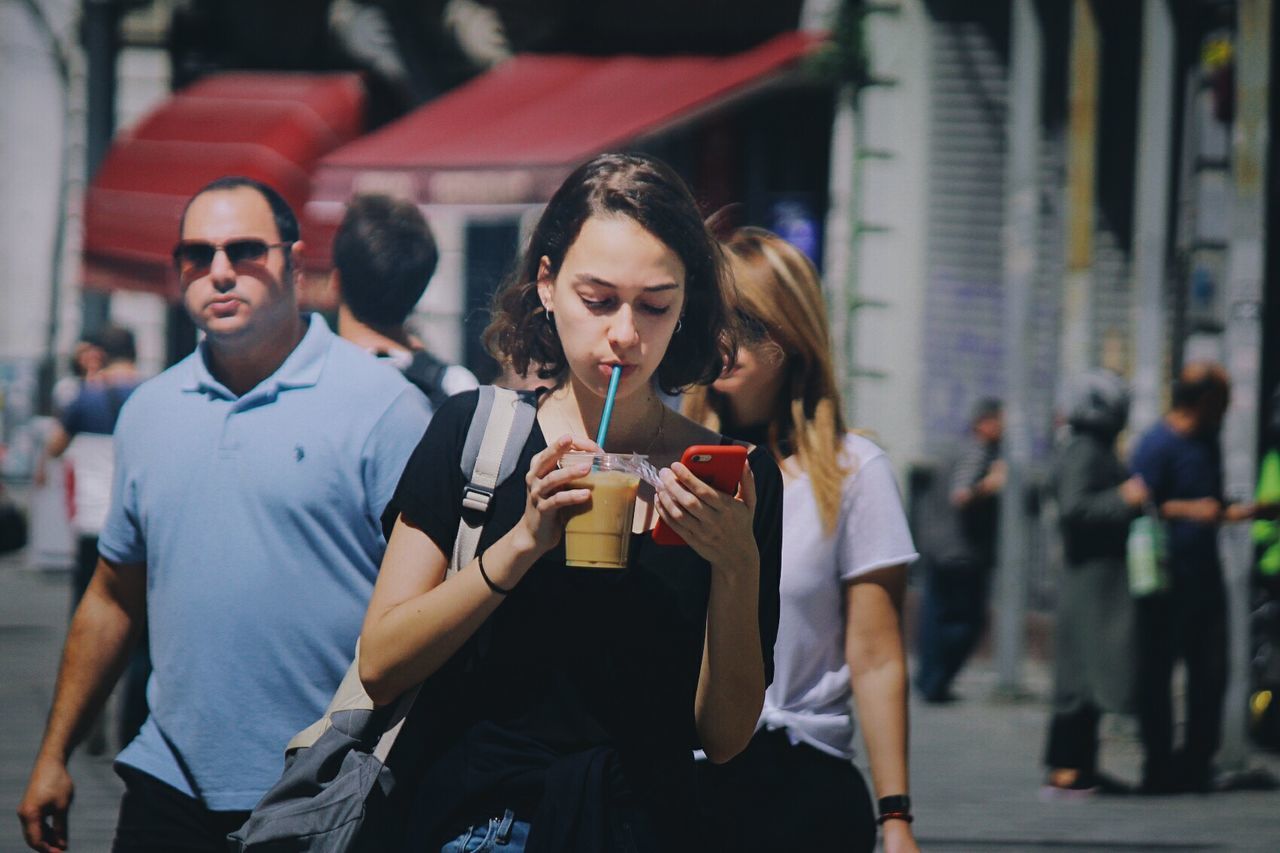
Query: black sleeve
(768, 534)
(429, 495)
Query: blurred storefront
(77, 72)
(1152, 212)
(749, 129)
(927, 275)
(482, 160)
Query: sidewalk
(975, 763)
(976, 773)
(33, 625)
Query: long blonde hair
(778, 287)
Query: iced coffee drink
(598, 534)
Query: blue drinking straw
(603, 429)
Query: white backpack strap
(498, 410)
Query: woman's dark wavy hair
(649, 192)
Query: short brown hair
(1201, 385)
(649, 192)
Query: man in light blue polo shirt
(244, 529)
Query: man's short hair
(116, 343)
(1199, 383)
(385, 255)
(286, 221)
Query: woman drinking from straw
(563, 702)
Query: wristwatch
(897, 807)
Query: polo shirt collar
(301, 369)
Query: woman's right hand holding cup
(549, 492)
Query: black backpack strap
(427, 373)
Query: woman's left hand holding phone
(716, 525)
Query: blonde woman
(845, 551)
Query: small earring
(551, 321)
(679, 325)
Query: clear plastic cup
(597, 534)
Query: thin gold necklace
(662, 422)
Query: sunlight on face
(233, 301)
(615, 300)
(756, 374)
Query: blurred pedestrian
(82, 435)
(1180, 459)
(384, 256)
(845, 552)
(243, 531)
(1094, 655)
(87, 358)
(960, 549)
(566, 702)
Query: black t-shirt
(581, 677)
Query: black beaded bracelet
(493, 586)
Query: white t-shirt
(810, 694)
(92, 459)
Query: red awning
(511, 135)
(269, 126)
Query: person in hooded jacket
(1094, 656)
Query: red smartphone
(717, 465)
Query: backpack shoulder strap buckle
(477, 497)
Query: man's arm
(103, 632)
(1196, 510)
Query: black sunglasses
(751, 330)
(191, 256)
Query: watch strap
(898, 804)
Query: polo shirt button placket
(228, 445)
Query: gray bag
(320, 803)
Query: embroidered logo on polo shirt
(298, 452)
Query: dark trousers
(952, 617)
(775, 796)
(133, 688)
(1188, 622)
(158, 818)
(1073, 740)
